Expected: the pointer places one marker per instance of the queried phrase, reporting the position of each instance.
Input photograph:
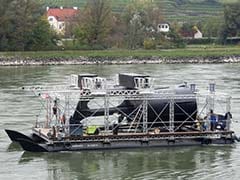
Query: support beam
(228, 109)
(171, 115)
(145, 116)
(106, 113)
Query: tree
(231, 25)
(23, 14)
(42, 37)
(117, 33)
(176, 39)
(141, 19)
(186, 30)
(94, 23)
(4, 24)
(135, 32)
(18, 19)
(212, 26)
(153, 14)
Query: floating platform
(123, 141)
(143, 117)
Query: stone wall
(25, 61)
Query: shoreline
(82, 60)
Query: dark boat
(145, 116)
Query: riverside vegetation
(98, 31)
(193, 54)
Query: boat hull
(15, 135)
(129, 141)
(31, 146)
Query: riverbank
(203, 54)
(19, 61)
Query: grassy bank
(189, 52)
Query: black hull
(31, 146)
(15, 136)
(127, 141)
(135, 144)
(28, 143)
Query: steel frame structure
(143, 95)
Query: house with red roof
(58, 18)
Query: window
(61, 26)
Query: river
(18, 110)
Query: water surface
(18, 111)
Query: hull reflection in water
(137, 164)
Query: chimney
(61, 7)
(76, 8)
(47, 8)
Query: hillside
(173, 10)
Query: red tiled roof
(62, 14)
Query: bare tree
(95, 22)
(141, 18)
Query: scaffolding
(105, 96)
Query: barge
(96, 113)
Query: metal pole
(47, 116)
(48, 101)
(171, 115)
(67, 113)
(209, 107)
(211, 96)
(228, 109)
(106, 113)
(145, 116)
(210, 100)
(37, 124)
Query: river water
(18, 110)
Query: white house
(198, 35)
(58, 17)
(163, 27)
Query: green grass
(191, 51)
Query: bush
(176, 39)
(201, 41)
(77, 45)
(149, 44)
